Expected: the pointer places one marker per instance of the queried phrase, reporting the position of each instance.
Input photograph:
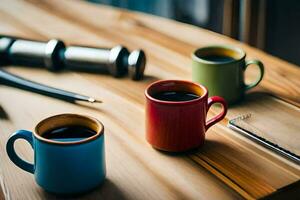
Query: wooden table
(227, 167)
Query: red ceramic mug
(179, 125)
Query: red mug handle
(221, 115)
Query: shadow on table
(3, 114)
(107, 190)
(209, 147)
(263, 97)
(214, 146)
(260, 97)
(100, 71)
(251, 97)
(149, 79)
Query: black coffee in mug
(218, 58)
(69, 133)
(175, 96)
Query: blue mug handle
(23, 134)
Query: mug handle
(221, 115)
(262, 70)
(23, 134)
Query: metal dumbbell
(117, 60)
(54, 55)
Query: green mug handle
(262, 71)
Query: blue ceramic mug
(63, 167)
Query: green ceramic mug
(221, 69)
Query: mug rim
(200, 98)
(99, 133)
(227, 47)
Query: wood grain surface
(228, 166)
